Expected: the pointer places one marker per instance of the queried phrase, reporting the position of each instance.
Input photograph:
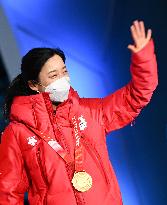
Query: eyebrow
(55, 70)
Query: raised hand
(139, 35)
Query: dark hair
(31, 65)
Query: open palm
(139, 35)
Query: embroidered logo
(76, 131)
(31, 140)
(83, 123)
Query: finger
(149, 33)
(137, 28)
(142, 29)
(134, 33)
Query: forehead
(53, 63)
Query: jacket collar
(37, 110)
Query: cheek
(67, 74)
(41, 89)
(44, 80)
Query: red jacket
(38, 169)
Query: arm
(13, 178)
(123, 106)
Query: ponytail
(18, 87)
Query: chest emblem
(82, 123)
(31, 140)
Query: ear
(33, 85)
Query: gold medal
(82, 181)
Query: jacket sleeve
(123, 106)
(13, 178)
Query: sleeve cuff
(145, 54)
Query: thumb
(132, 48)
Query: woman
(54, 146)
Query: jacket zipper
(93, 154)
(41, 170)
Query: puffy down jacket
(29, 164)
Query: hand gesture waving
(140, 37)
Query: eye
(65, 71)
(53, 76)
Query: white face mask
(59, 89)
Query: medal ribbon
(59, 149)
(54, 144)
(78, 145)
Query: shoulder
(91, 102)
(91, 109)
(13, 130)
